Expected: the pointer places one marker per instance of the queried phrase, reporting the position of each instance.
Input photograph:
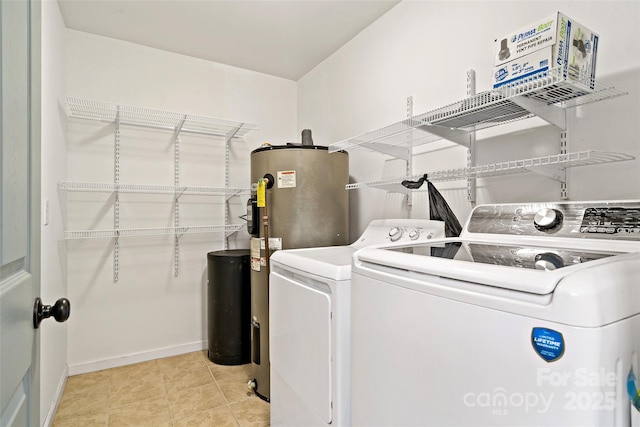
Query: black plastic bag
(438, 207)
(439, 210)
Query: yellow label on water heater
(261, 193)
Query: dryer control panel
(382, 231)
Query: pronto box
(557, 42)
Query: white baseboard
(51, 413)
(99, 365)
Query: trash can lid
(229, 253)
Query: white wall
(148, 312)
(53, 356)
(424, 49)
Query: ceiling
(281, 38)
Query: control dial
(414, 234)
(547, 219)
(395, 234)
(548, 261)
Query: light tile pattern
(186, 390)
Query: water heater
(307, 205)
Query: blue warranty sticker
(632, 390)
(549, 344)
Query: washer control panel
(596, 220)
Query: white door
(19, 211)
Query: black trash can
(229, 307)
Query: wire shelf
(147, 189)
(484, 110)
(143, 116)
(579, 158)
(157, 231)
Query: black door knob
(60, 311)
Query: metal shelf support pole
(227, 154)
(558, 172)
(409, 168)
(471, 152)
(176, 206)
(225, 242)
(116, 194)
(564, 183)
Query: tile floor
(185, 390)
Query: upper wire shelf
(536, 164)
(143, 116)
(484, 110)
(147, 189)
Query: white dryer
(309, 321)
(530, 318)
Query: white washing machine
(530, 318)
(309, 301)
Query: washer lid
(522, 268)
(332, 262)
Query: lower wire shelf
(156, 231)
(145, 188)
(544, 165)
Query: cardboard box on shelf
(556, 42)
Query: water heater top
(290, 146)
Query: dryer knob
(414, 234)
(547, 219)
(395, 234)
